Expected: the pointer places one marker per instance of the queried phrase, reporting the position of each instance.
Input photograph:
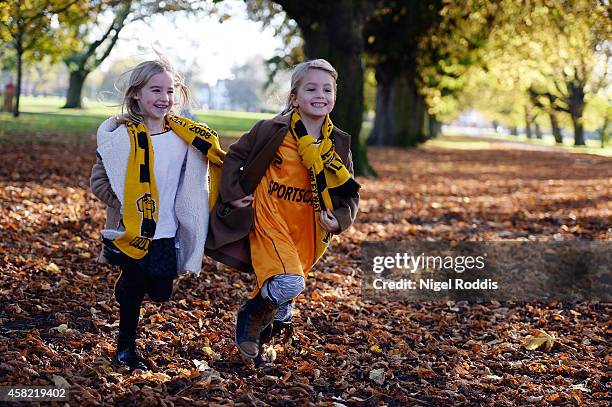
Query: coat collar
(283, 119)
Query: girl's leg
(256, 315)
(283, 313)
(159, 289)
(282, 289)
(129, 292)
(161, 270)
(253, 316)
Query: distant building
(214, 97)
(471, 118)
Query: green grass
(461, 141)
(43, 119)
(459, 144)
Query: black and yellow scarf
(140, 199)
(325, 168)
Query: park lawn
(458, 140)
(43, 119)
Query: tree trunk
(514, 131)
(528, 123)
(420, 114)
(381, 134)
(75, 89)
(554, 125)
(81, 63)
(19, 78)
(578, 131)
(335, 34)
(435, 127)
(576, 108)
(400, 111)
(603, 133)
(538, 131)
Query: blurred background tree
(96, 33)
(333, 30)
(37, 28)
(532, 65)
(543, 59)
(392, 34)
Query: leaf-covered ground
(58, 317)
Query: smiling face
(316, 95)
(156, 97)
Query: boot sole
(119, 364)
(243, 353)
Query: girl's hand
(329, 222)
(242, 202)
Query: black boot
(253, 316)
(127, 356)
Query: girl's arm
(236, 156)
(345, 208)
(100, 185)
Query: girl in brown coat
(287, 187)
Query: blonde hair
(298, 74)
(138, 78)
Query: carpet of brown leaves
(58, 317)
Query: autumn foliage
(59, 319)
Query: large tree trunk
(554, 125)
(381, 134)
(400, 111)
(75, 89)
(333, 30)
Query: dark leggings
(152, 275)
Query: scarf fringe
(349, 189)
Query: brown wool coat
(243, 168)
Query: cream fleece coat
(190, 207)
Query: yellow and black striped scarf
(325, 168)
(140, 199)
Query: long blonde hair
(298, 74)
(138, 78)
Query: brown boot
(253, 316)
